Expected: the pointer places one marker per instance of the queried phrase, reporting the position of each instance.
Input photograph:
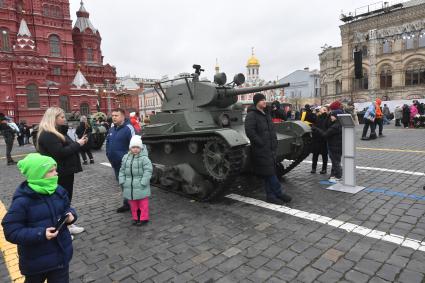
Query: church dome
(253, 61)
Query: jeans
(67, 182)
(53, 276)
(367, 124)
(9, 146)
(83, 154)
(323, 150)
(380, 123)
(272, 186)
(142, 205)
(336, 164)
(116, 168)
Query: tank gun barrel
(239, 91)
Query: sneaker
(85, 162)
(91, 161)
(135, 222)
(144, 222)
(365, 139)
(123, 208)
(332, 179)
(381, 135)
(274, 201)
(338, 180)
(11, 162)
(74, 229)
(323, 172)
(285, 198)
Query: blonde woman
(53, 141)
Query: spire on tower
(83, 20)
(23, 29)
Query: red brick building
(45, 61)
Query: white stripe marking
(106, 164)
(380, 169)
(349, 227)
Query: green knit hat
(34, 166)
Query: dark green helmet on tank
(198, 143)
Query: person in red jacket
(134, 120)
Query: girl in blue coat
(38, 203)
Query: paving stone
(322, 264)
(286, 274)
(330, 276)
(164, 276)
(231, 252)
(388, 272)
(368, 266)
(343, 265)
(333, 255)
(231, 264)
(121, 274)
(261, 275)
(309, 274)
(356, 276)
(204, 256)
(298, 263)
(410, 276)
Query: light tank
(197, 142)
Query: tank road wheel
(221, 161)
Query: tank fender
(293, 128)
(232, 137)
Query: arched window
(415, 74)
(33, 98)
(386, 47)
(55, 49)
(46, 10)
(4, 40)
(338, 87)
(90, 57)
(84, 109)
(386, 78)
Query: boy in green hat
(37, 205)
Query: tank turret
(198, 140)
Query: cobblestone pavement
(231, 241)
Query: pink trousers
(143, 205)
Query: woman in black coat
(53, 141)
(319, 146)
(406, 116)
(85, 129)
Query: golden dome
(253, 61)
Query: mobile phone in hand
(61, 222)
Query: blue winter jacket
(25, 224)
(117, 142)
(370, 112)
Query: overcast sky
(152, 38)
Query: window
(409, 43)
(55, 49)
(84, 109)
(4, 40)
(386, 47)
(2, 4)
(90, 54)
(64, 104)
(338, 63)
(415, 75)
(56, 71)
(422, 40)
(52, 11)
(46, 11)
(338, 87)
(364, 51)
(386, 79)
(33, 98)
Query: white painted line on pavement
(380, 169)
(106, 164)
(349, 227)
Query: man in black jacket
(9, 137)
(262, 135)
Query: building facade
(392, 42)
(45, 61)
(304, 87)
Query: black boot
(372, 136)
(323, 171)
(11, 162)
(91, 161)
(85, 162)
(313, 170)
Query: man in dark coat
(262, 135)
(319, 144)
(9, 136)
(117, 143)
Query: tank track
(235, 155)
